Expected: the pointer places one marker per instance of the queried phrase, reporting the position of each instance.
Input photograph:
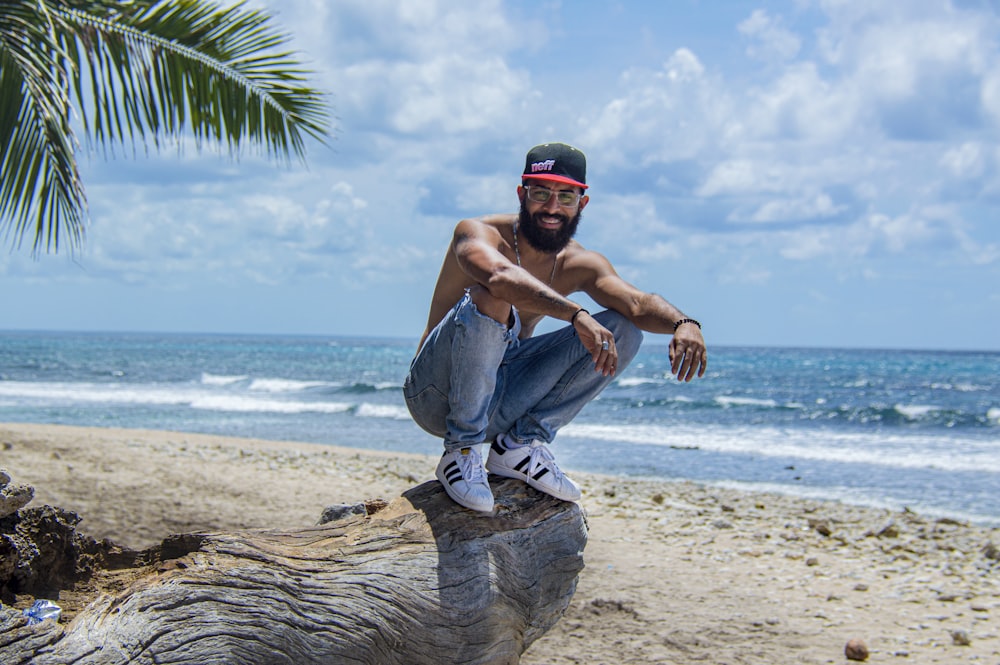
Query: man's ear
(584, 200)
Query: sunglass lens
(539, 194)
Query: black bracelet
(683, 321)
(572, 319)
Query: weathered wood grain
(421, 581)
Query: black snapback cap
(557, 162)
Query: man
(480, 376)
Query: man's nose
(552, 205)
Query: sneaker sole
(572, 498)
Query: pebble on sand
(856, 650)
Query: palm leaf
(214, 69)
(39, 180)
(139, 72)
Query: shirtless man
(480, 376)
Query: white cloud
(385, 266)
(452, 94)
(771, 40)
(965, 160)
(423, 66)
(744, 272)
(899, 233)
(659, 251)
(804, 208)
(990, 95)
(923, 69)
(474, 194)
(801, 105)
(684, 66)
(740, 176)
(280, 231)
(622, 218)
(920, 231)
(671, 113)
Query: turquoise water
(917, 429)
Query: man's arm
(475, 245)
(650, 312)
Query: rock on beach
(856, 650)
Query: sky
(813, 173)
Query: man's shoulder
(578, 257)
(495, 221)
(486, 226)
(574, 251)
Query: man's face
(549, 226)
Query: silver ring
(604, 345)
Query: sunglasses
(565, 198)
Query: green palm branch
(134, 73)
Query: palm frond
(190, 64)
(139, 72)
(40, 185)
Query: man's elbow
(644, 304)
(501, 281)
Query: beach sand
(675, 572)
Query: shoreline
(676, 572)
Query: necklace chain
(517, 254)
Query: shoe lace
(472, 467)
(541, 456)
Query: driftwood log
(420, 581)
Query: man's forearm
(523, 290)
(656, 315)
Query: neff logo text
(543, 166)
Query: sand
(675, 572)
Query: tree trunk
(420, 581)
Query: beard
(541, 238)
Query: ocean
(884, 428)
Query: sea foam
(918, 451)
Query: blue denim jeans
(474, 379)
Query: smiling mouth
(551, 220)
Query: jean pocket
(429, 409)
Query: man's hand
(688, 355)
(599, 341)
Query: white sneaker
(535, 465)
(464, 479)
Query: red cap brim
(554, 178)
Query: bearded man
(480, 378)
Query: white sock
(510, 443)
